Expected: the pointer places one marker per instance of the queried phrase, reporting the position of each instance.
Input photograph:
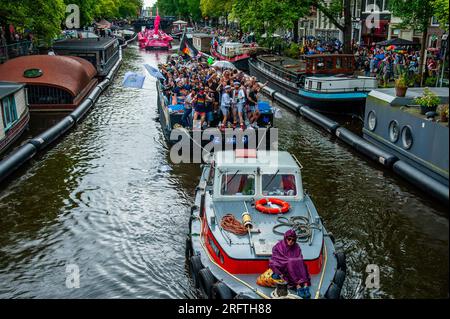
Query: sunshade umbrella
(224, 65)
(154, 72)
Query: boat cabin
(14, 114)
(329, 64)
(245, 174)
(202, 41)
(102, 52)
(338, 84)
(54, 83)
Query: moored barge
(53, 83)
(14, 114)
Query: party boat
(229, 259)
(155, 38)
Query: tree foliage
(183, 9)
(45, 18)
(441, 12)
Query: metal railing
(15, 50)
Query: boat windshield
(238, 184)
(280, 185)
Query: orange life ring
(284, 206)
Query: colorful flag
(187, 48)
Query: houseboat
(53, 83)
(337, 94)
(288, 76)
(102, 52)
(170, 117)
(420, 142)
(202, 42)
(234, 52)
(244, 203)
(14, 114)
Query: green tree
(42, 17)
(415, 14)
(441, 12)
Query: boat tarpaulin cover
(133, 80)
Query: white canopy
(180, 22)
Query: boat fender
(81, 110)
(195, 265)
(260, 206)
(206, 282)
(339, 278)
(16, 159)
(319, 119)
(294, 106)
(242, 296)
(375, 153)
(346, 136)
(55, 131)
(96, 93)
(421, 180)
(221, 291)
(333, 292)
(189, 251)
(341, 261)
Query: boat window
(48, 95)
(338, 63)
(310, 84)
(238, 184)
(319, 86)
(280, 185)
(9, 111)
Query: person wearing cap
(240, 103)
(234, 102)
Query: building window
(377, 5)
(9, 111)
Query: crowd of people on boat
(209, 95)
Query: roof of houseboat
(66, 72)
(85, 44)
(8, 88)
(263, 159)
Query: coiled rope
(300, 224)
(232, 225)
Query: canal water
(108, 202)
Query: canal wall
(37, 144)
(369, 150)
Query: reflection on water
(108, 199)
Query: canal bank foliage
(46, 18)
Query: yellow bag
(266, 280)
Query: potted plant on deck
(401, 84)
(428, 101)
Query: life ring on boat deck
(284, 206)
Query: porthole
(394, 131)
(372, 120)
(407, 137)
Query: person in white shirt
(225, 105)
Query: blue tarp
(176, 108)
(133, 80)
(264, 107)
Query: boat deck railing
(15, 50)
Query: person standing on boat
(240, 103)
(200, 107)
(253, 105)
(186, 118)
(287, 263)
(225, 105)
